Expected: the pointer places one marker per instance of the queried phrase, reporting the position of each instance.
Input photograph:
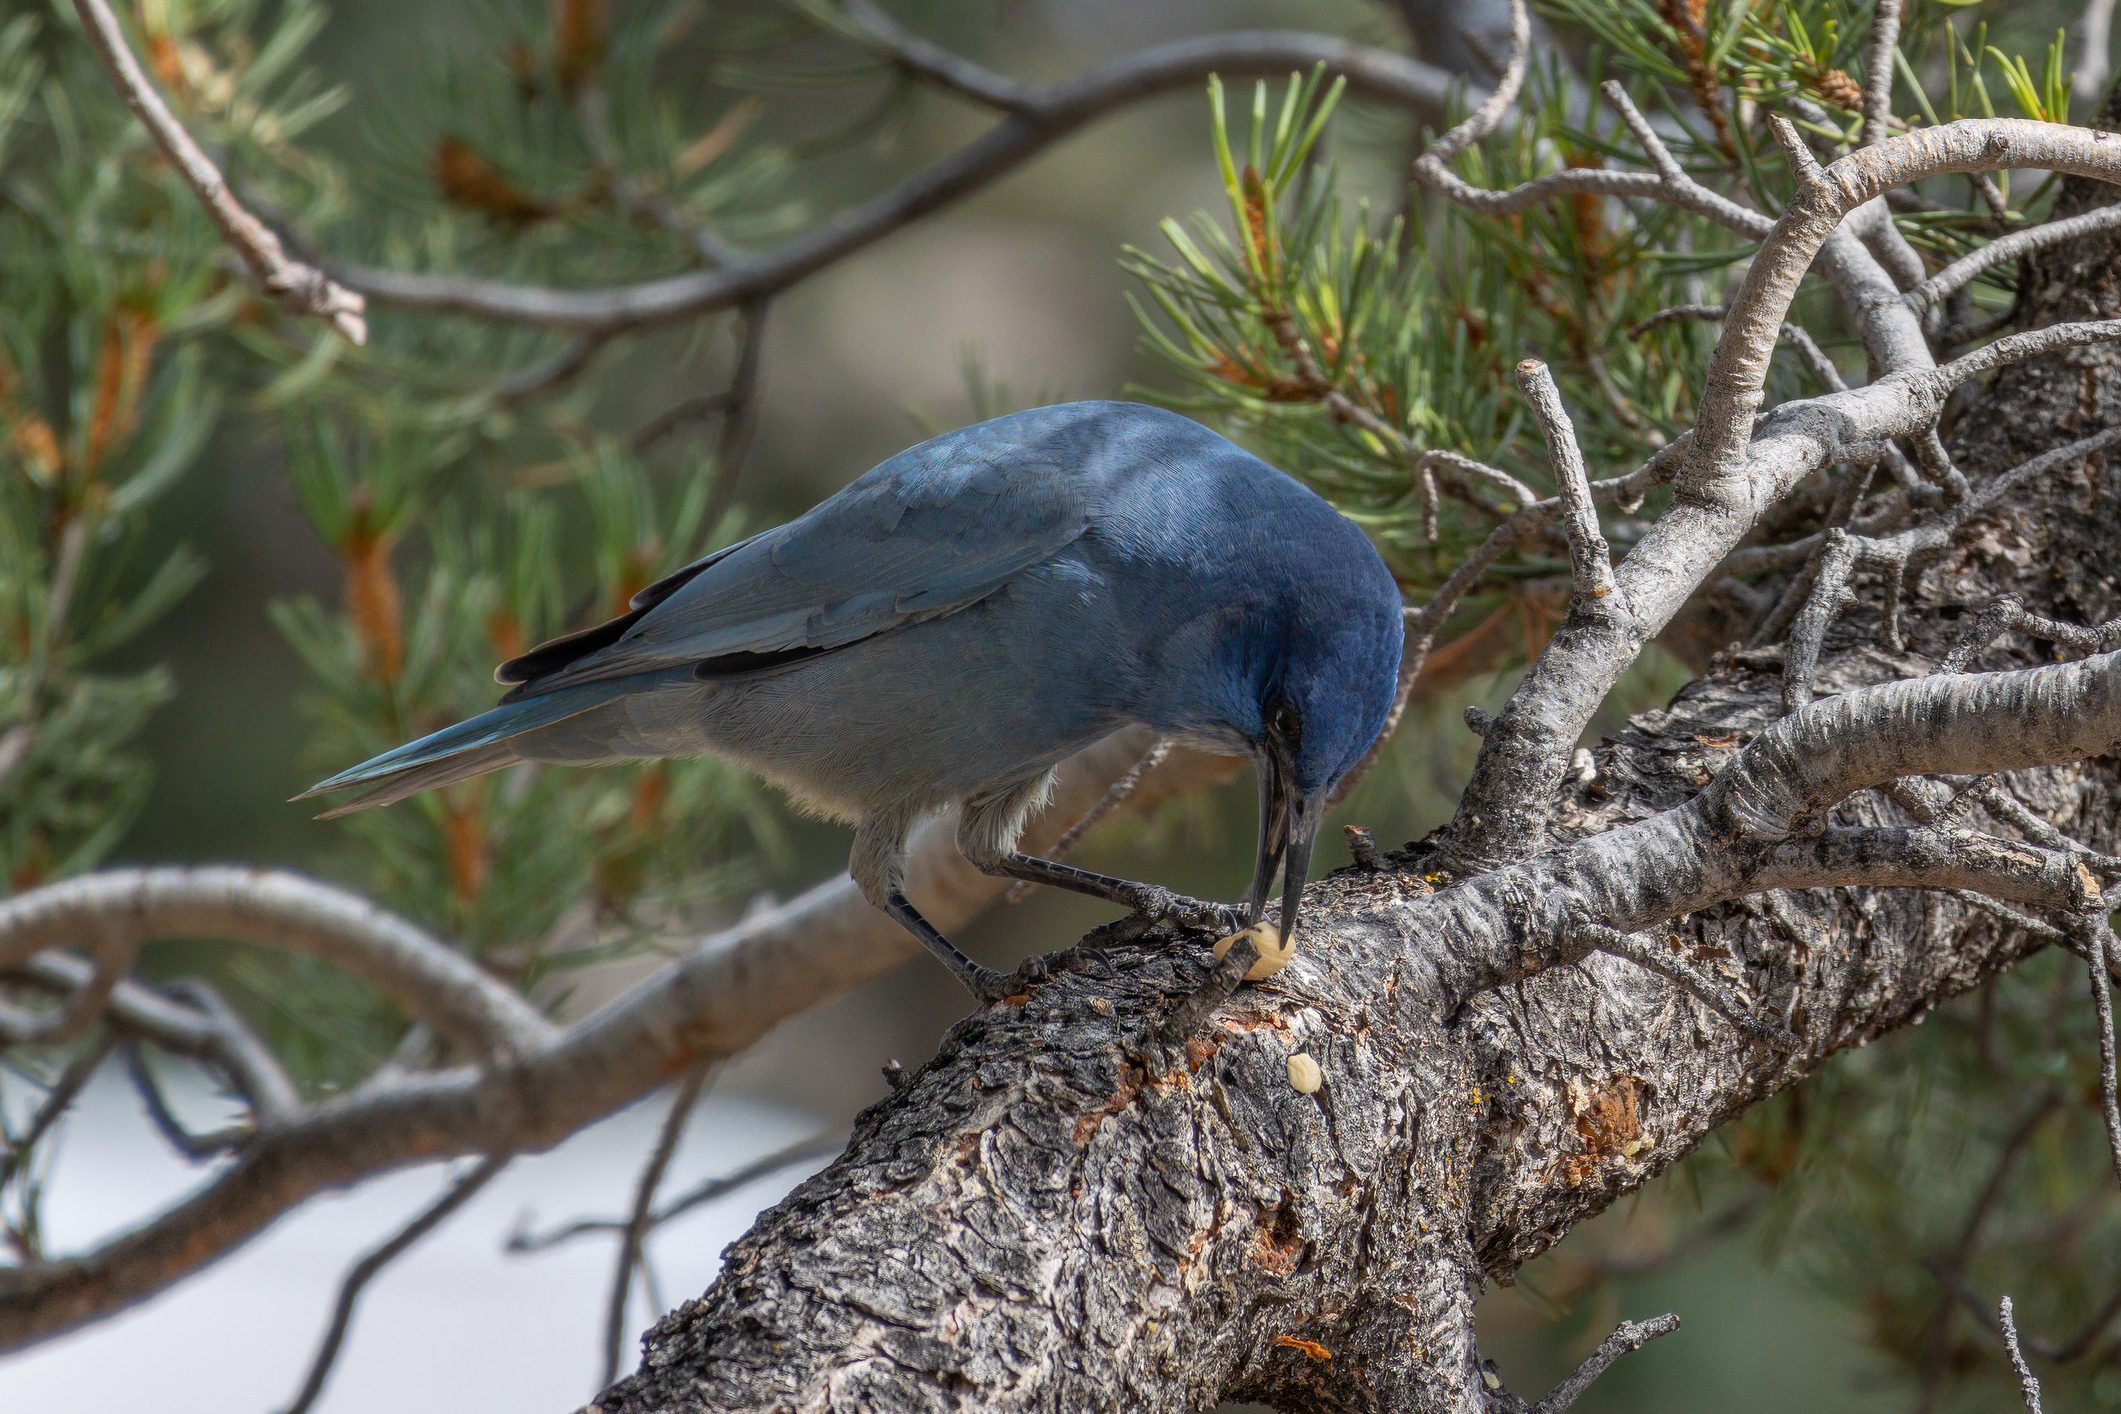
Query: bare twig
(2006, 613)
(1804, 167)
(1472, 470)
(62, 1094)
(1426, 622)
(918, 58)
(1878, 70)
(639, 1219)
(1986, 722)
(803, 1151)
(301, 288)
(1590, 561)
(1629, 1337)
(252, 1070)
(739, 409)
(2018, 244)
(2099, 953)
(1669, 181)
(2028, 1387)
(163, 1115)
(371, 1264)
(2016, 348)
(1046, 114)
(1717, 997)
(2061, 1353)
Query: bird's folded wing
(888, 551)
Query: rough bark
(1062, 1212)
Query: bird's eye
(1285, 723)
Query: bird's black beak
(1304, 813)
(1288, 825)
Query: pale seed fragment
(1274, 950)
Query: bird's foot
(1155, 904)
(991, 986)
(1034, 971)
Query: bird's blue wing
(927, 533)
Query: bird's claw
(1032, 971)
(992, 987)
(1161, 905)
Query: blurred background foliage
(237, 554)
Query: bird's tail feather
(479, 744)
(414, 779)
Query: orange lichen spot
(1130, 1085)
(1309, 1348)
(1608, 1119)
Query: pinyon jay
(961, 618)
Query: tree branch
(2018, 244)
(129, 907)
(1040, 117)
(1878, 71)
(301, 288)
(371, 1265)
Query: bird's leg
(985, 983)
(989, 825)
(878, 865)
(1150, 900)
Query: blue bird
(961, 618)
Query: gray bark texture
(1063, 1212)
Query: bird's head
(1322, 699)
